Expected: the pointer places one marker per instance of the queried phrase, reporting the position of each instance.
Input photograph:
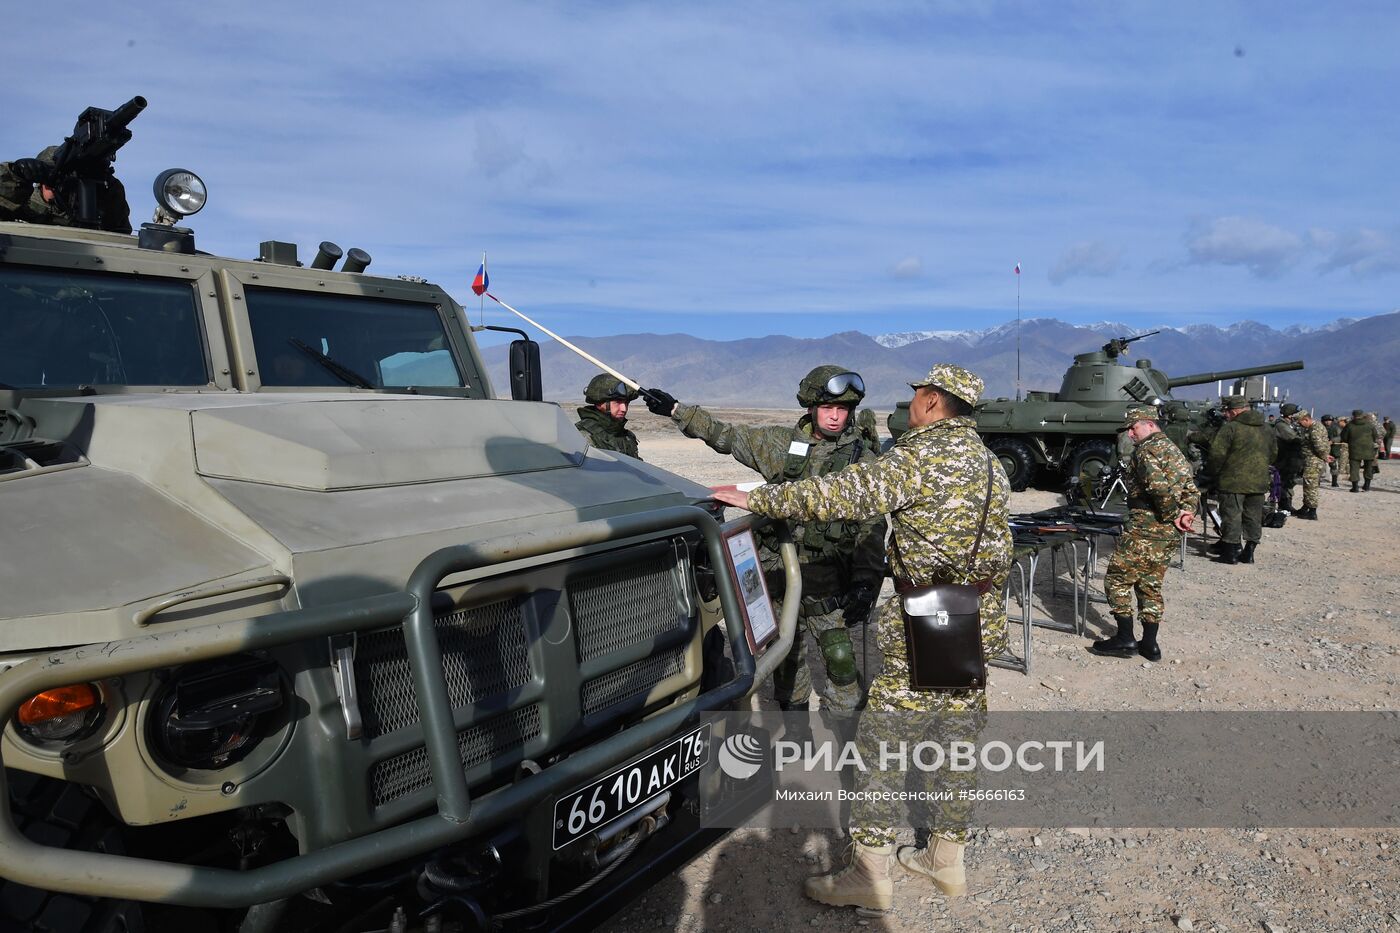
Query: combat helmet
(829, 385)
(608, 388)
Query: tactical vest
(823, 540)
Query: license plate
(627, 788)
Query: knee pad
(840, 659)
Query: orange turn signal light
(58, 702)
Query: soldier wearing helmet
(32, 190)
(947, 497)
(603, 418)
(842, 561)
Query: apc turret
(1074, 431)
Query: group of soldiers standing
(828, 476)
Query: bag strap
(986, 507)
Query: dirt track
(1311, 626)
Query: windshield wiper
(339, 370)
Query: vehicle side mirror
(525, 383)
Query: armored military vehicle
(303, 628)
(1073, 432)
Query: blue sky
(734, 170)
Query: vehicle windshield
(306, 339)
(63, 328)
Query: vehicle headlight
(212, 714)
(180, 191)
(61, 714)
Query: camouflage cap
(954, 380)
(1300, 414)
(606, 388)
(1234, 401)
(1139, 413)
(1287, 408)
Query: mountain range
(1350, 363)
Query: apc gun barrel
(1196, 379)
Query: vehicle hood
(342, 494)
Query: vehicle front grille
(633, 680)
(484, 654)
(620, 607)
(404, 774)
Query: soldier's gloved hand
(859, 602)
(659, 402)
(32, 171)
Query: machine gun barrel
(127, 112)
(1196, 379)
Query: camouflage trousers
(1241, 511)
(1138, 565)
(1340, 457)
(1312, 479)
(792, 680)
(938, 717)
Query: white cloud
(1364, 253)
(910, 267)
(1265, 250)
(1092, 258)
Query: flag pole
(1018, 330)
(583, 353)
(481, 311)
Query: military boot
(1230, 554)
(1247, 555)
(942, 862)
(1308, 513)
(1120, 645)
(1367, 485)
(1334, 482)
(1147, 644)
(863, 882)
(1354, 488)
(1217, 547)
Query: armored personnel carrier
(303, 628)
(1073, 432)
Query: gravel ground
(1311, 626)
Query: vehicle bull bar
(458, 816)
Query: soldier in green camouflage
(1336, 455)
(1360, 438)
(933, 484)
(30, 191)
(1289, 459)
(603, 420)
(1317, 450)
(842, 561)
(1162, 497)
(1239, 458)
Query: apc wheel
(1086, 463)
(1016, 459)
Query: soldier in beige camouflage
(1317, 451)
(933, 484)
(1162, 499)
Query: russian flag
(482, 280)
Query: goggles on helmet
(841, 382)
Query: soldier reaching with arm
(936, 483)
(842, 560)
(1290, 454)
(1162, 499)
